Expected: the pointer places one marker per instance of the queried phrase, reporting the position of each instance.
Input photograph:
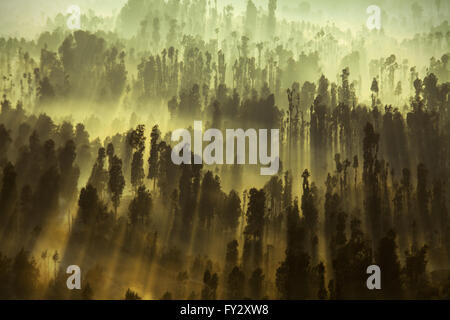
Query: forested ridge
(87, 179)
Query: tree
(132, 295)
(45, 91)
(255, 213)
(398, 90)
(140, 207)
(137, 142)
(235, 284)
(415, 271)
(232, 211)
(8, 192)
(116, 182)
(154, 154)
(47, 195)
(210, 195)
(88, 204)
(55, 259)
(309, 209)
(293, 275)
(322, 293)
(388, 262)
(99, 175)
(253, 232)
(231, 258)
(168, 172)
(110, 152)
(69, 172)
(355, 167)
(350, 264)
(210, 282)
(25, 275)
(5, 141)
(256, 284)
(423, 195)
(371, 171)
(287, 190)
(374, 88)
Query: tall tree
(116, 182)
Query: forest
(87, 178)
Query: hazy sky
(24, 17)
(21, 17)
